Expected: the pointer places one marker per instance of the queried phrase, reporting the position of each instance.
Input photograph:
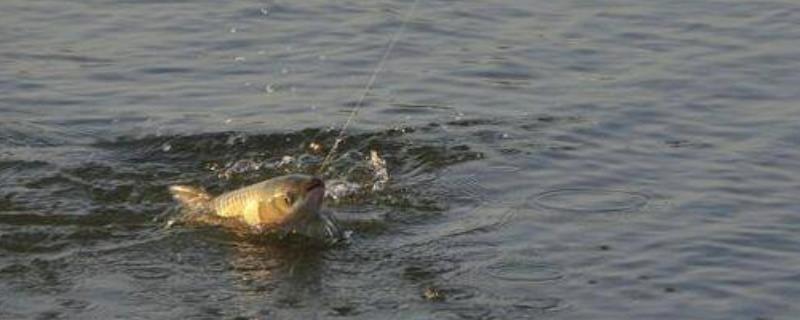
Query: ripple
(428, 270)
(591, 200)
(460, 292)
(541, 304)
(151, 273)
(74, 304)
(502, 169)
(527, 271)
(463, 312)
(482, 112)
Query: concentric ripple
(591, 200)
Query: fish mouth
(315, 183)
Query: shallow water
(548, 159)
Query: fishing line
(368, 87)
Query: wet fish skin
(291, 202)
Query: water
(547, 159)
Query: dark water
(548, 159)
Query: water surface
(548, 159)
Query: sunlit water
(547, 159)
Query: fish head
(299, 200)
(296, 197)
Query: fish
(291, 203)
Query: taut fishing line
(368, 87)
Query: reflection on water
(263, 268)
(567, 159)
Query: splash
(326, 229)
(381, 173)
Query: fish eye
(288, 198)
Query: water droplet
(167, 147)
(381, 174)
(264, 11)
(233, 30)
(239, 59)
(338, 189)
(269, 89)
(285, 160)
(228, 121)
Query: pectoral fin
(252, 212)
(261, 213)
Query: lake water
(620, 159)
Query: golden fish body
(289, 202)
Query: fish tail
(190, 197)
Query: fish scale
(231, 203)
